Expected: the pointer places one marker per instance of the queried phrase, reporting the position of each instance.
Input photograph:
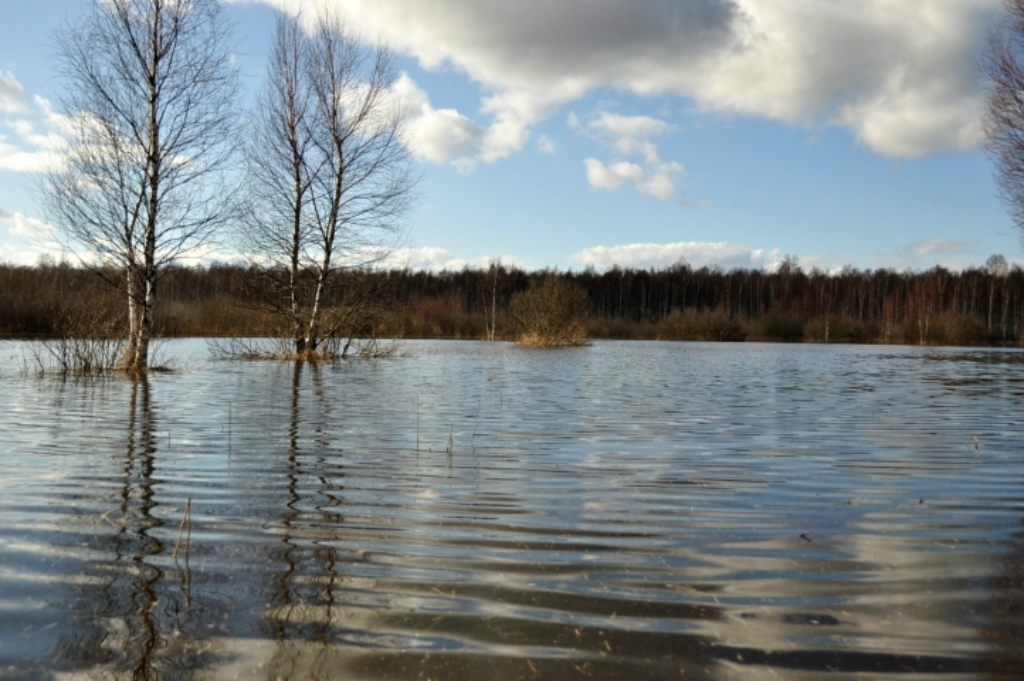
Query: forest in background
(976, 306)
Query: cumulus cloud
(29, 144)
(28, 238)
(437, 135)
(20, 225)
(10, 253)
(629, 131)
(900, 74)
(448, 136)
(630, 136)
(12, 95)
(696, 253)
(658, 184)
(611, 177)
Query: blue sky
(637, 132)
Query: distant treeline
(977, 306)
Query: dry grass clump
(88, 342)
(551, 313)
(276, 349)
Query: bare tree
(276, 229)
(330, 175)
(1004, 125)
(151, 92)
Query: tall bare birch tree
(276, 226)
(330, 174)
(151, 91)
(1004, 65)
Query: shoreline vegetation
(975, 307)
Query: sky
(638, 133)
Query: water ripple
(473, 510)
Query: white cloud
(16, 255)
(696, 253)
(30, 228)
(23, 226)
(546, 145)
(29, 145)
(12, 95)
(425, 258)
(437, 135)
(630, 127)
(28, 238)
(658, 184)
(435, 259)
(900, 74)
(629, 136)
(611, 177)
(447, 136)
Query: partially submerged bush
(551, 313)
(88, 342)
(347, 331)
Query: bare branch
(1004, 65)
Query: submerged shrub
(87, 342)
(552, 312)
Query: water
(481, 511)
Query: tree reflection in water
(334, 611)
(135, 616)
(301, 602)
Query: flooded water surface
(481, 511)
